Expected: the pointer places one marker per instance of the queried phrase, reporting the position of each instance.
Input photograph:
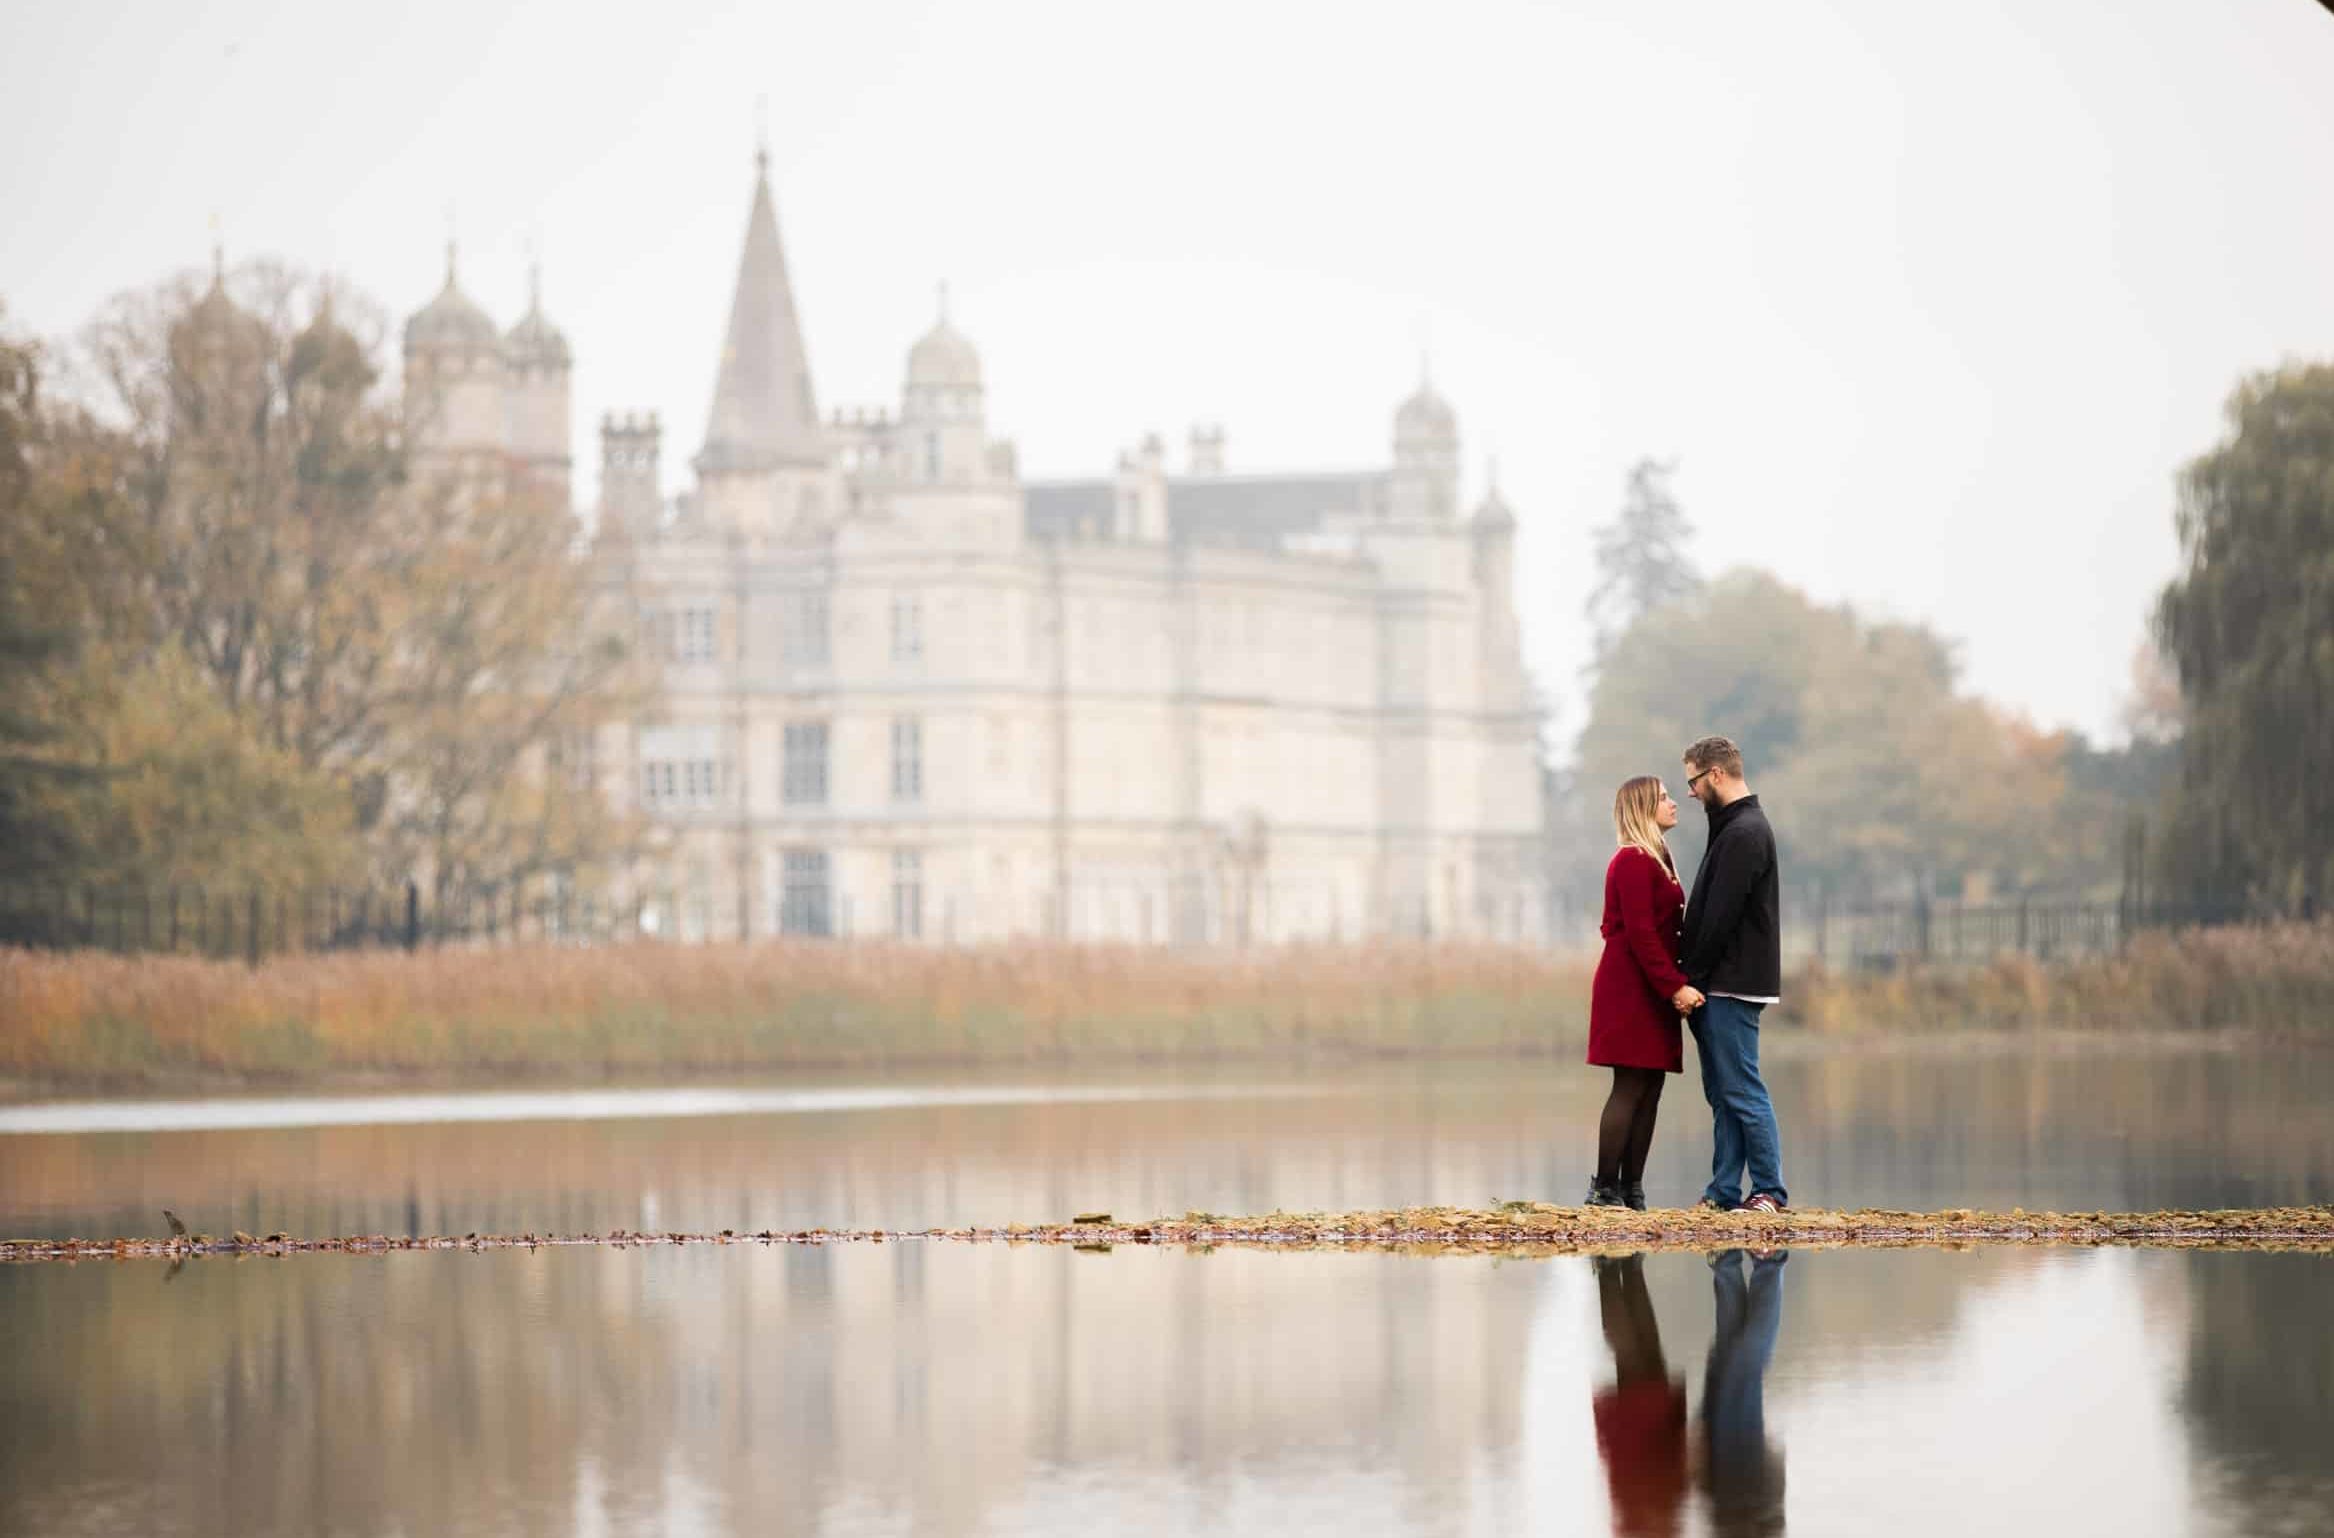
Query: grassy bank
(88, 1019)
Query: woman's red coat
(1630, 1021)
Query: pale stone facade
(908, 694)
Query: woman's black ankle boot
(1633, 1195)
(1602, 1195)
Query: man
(1734, 955)
(1742, 1472)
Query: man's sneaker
(1602, 1195)
(1712, 1204)
(1763, 1201)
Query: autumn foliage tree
(1883, 777)
(287, 653)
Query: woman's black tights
(1625, 1131)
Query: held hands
(1687, 999)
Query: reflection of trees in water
(2084, 1130)
(2259, 1386)
(456, 1393)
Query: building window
(678, 635)
(802, 629)
(696, 638)
(669, 784)
(679, 767)
(803, 780)
(907, 759)
(572, 759)
(907, 894)
(805, 903)
(907, 628)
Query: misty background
(1928, 307)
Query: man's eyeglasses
(1690, 779)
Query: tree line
(248, 635)
(1898, 783)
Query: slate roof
(1258, 511)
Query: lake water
(921, 1387)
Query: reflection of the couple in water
(1651, 1457)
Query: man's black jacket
(1734, 936)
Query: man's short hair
(1715, 753)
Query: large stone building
(908, 694)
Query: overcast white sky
(1930, 301)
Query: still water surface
(917, 1387)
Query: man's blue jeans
(1743, 1132)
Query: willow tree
(2249, 625)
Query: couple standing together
(1713, 959)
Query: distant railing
(254, 922)
(1878, 936)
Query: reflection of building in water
(909, 694)
(898, 1387)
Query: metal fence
(253, 923)
(256, 922)
(1878, 936)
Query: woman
(1640, 993)
(1641, 1419)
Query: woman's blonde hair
(1635, 808)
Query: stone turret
(220, 354)
(631, 497)
(455, 376)
(1425, 484)
(536, 398)
(943, 420)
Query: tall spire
(763, 412)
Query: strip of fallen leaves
(1513, 1228)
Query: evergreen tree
(1641, 556)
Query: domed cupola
(452, 321)
(216, 322)
(221, 357)
(534, 344)
(1425, 482)
(944, 431)
(1425, 419)
(326, 357)
(944, 377)
(942, 357)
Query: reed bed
(2274, 979)
(645, 1010)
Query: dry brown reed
(649, 1009)
(2275, 978)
